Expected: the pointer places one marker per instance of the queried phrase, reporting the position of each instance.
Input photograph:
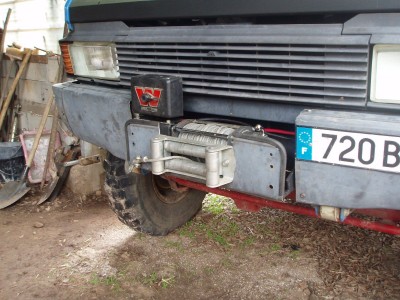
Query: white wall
(37, 23)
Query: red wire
(279, 131)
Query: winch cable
(192, 131)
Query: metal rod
(385, 228)
(83, 161)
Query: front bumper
(99, 115)
(95, 114)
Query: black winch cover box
(157, 95)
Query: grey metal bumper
(95, 114)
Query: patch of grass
(177, 245)
(208, 270)
(234, 210)
(227, 262)
(223, 231)
(200, 227)
(167, 282)
(248, 242)
(218, 205)
(217, 237)
(231, 228)
(111, 281)
(95, 279)
(187, 230)
(214, 204)
(294, 254)
(151, 279)
(275, 247)
(220, 229)
(154, 279)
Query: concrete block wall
(33, 90)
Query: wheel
(147, 203)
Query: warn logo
(148, 97)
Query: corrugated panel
(309, 73)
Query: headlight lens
(385, 84)
(98, 60)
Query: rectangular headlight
(96, 60)
(385, 77)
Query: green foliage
(217, 237)
(294, 254)
(111, 281)
(95, 280)
(167, 282)
(154, 279)
(187, 230)
(151, 279)
(175, 244)
(214, 204)
(275, 247)
(218, 205)
(248, 242)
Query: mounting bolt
(302, 195)
(258, 128)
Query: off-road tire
(137, 201)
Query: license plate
(360, 150)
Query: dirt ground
(75, 248)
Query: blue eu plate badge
(304, 143)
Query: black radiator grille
(321, 74)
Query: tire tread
(124, 199)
